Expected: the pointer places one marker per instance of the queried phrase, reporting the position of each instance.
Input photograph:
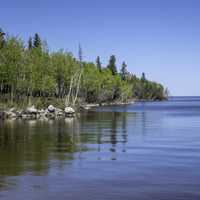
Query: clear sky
(158, 37)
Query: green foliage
(33, 75)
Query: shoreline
(93, 105)
(52, 112)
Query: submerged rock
(50, 115)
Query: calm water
(144, 151)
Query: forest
(31, 74)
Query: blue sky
(158, 37)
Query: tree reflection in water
(35, 146)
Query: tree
(30, 43)
(112, 65)
(124, 71)
(12, 64)
(63, 65)
(2, 38)
(143, 78)
(98, 63)
(37, 43)
(34, 74)
(80, 54)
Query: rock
(69, 111)
(51, 108)
(50, 115)
(41, 111)
(19, 113)
(88, 106)
(32, 110)
(11, 114)
(59, 112)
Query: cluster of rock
(33, 113)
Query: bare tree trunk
(78, 87)
(67, 101)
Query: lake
(143, 151)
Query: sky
(158, 37)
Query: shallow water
(145, 151)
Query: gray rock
(50, 115)
(69, 110)
(32, 110)
(11, 114)
(51, 108)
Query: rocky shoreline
(51, 112)
(31, 112)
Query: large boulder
(69, 111)
(51, 108)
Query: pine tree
(143, 78)
(98, 63)
(37, 43)
(112, 65)
(30, 43)
(80, 54)
(123, 71)
(2, 38)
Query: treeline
(29, 71)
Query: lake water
(145, 151)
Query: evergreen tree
(124, 71)
(143, 78)
(112, 65)
(80, 54)
(2, 38)
(30, 43)
(37, 43)
(98, 63)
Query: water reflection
(124, 151)
(31, 146)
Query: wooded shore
(32, 75)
